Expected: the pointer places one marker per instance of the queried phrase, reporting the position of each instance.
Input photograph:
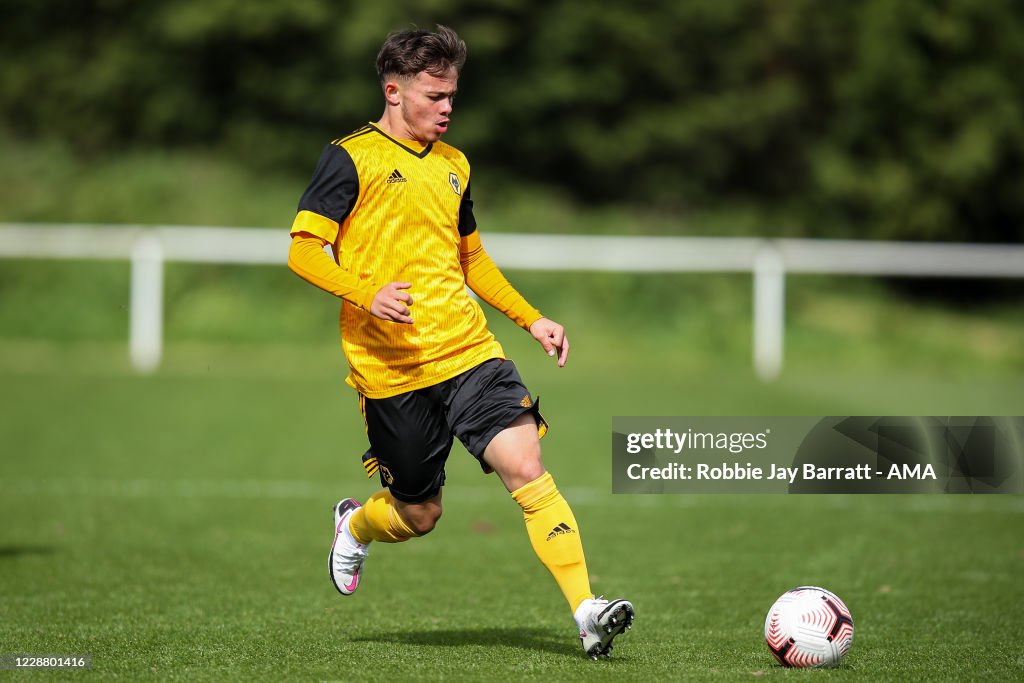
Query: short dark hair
(407, 53)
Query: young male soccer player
(393, 201)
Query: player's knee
(527, 469)
(528, 465)
(422, 518)
(425, 524)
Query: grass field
(175, 527)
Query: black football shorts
(411, 434)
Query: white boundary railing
(768, 260)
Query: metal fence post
(147, 304)
(769, 312)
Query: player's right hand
(391, 303)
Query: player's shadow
(11, 551)
(523, 638)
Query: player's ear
(393, 92)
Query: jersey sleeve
(307, 259)
(330, 196)
(484, 278)
(467, 222)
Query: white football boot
(347, 555)
(600, 621)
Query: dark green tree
(873, 119)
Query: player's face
(425, 103)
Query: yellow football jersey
(396, 211)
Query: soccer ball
(808, 627)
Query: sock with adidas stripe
(555, 537)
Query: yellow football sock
(555, 537)
(378, 520)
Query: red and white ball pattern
(808, 627)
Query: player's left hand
(552, 337)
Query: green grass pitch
(176, 527)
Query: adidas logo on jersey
(396, 177)
(561, 530)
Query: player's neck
(397, 130)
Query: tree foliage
(875, 119)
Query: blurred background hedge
(873, 119)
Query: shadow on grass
(9, 551)
(523, 638)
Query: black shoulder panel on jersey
(467, 221)
(334, 187)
